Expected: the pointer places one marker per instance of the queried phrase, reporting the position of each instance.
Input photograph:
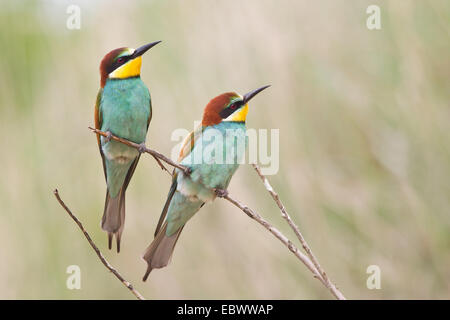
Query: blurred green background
(364, 146)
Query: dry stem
(96, 249)
(299, 235)
(309, 260)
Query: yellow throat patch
(239, 116)
(130, 69)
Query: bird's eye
(233, 106)
(120, 60)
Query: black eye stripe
(118, 63)
(122, 60)
(230, 109)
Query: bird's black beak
(253, 93)
(141, 50)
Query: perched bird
(212, 153)
(123, 108)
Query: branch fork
(308, 259)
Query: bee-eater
(212, 153)
(123, 108)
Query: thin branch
(163, 167)
(258, 218)
(299, 235)
(141, 148)
(308, 260)
(97, 251)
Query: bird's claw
(187, 171)
(108, 136)
(142, 148)
(221, 193)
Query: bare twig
(163, 167)
(154, 153)
(255, 216)
(97, 251)
(308, 260)
(299, 235)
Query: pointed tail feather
(113, 219)
(159, 252)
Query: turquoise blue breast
(125, 108)
(217, 154)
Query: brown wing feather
(97, 114)
(189, 142)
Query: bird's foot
(221, 193)
(142, 148)
(108, 136)
(187, 171)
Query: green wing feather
(150, 114)
(186, 148)
(98, 125)
(172, 190)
